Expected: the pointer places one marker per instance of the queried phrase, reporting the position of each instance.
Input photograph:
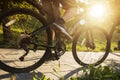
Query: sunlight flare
(97, 11)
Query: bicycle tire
(75, 52)
(40, 18)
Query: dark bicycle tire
(11, 69)
(74, 48)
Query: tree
(6, 29)
(8, 4)
(4, 6)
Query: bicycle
(33, 34)
(112, 34)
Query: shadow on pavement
(72, 73)
(20, 76)
(116, 54)
(113, 63)
(4, 76)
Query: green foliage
(69, 46)
(93, 73)
(100, 73)
(42, 78)
(35, 77)
(16, 3)
(20, 4)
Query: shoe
(63, 31)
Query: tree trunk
(6, 29)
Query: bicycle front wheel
(94, 52)
(18, 22)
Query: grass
(100, 43)
(99, 47)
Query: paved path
(68, 67)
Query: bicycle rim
(23, 21)
(85, 55)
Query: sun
(97, 10)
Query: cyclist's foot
(60, 28)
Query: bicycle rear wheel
(23, 21)
(95, 53)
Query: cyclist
(52, 8)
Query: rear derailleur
(24, 41)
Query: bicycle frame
(59, 28)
